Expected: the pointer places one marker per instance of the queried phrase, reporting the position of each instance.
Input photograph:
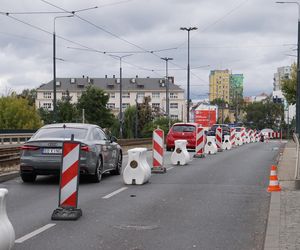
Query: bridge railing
(14, 138)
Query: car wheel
(118, 169)
(98, 171)
(28, 177)
(168, 148)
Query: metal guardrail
(10, 153)
(14, 138)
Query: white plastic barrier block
(247, 137)
(7, 232)
(137, 170)
(226, 143)
(180, 156)
(238, 139)
(210, 146)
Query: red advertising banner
(205, 117)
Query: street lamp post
(188, 71)
(298, 69)
(121, 111)
(54, 66)
(166, 59)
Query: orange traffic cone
(274, 184)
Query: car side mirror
(113, 139)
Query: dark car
(225, 130)
(182, 131)
(42, 153)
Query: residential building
(133, 90)
(219, 85)
(236, 88)
(282, 73)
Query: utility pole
(166, 59)
(188, 72)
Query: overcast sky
(250, 37)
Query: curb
(9, 176)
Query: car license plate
(52, 151)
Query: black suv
(225, 130)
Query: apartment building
(133, 90)
(219, 85)
(282, 73)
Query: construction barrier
(137, 170)
(232, 136)
(238, 139)
(7, 232)
(158, 152)
(68, 188)
(274, 183)
(226, 143)
(180, 156)
(243, 134)
(219, 138)
(210, 146)
(247, 138)
(200, 143)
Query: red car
(182, 131)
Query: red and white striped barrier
(200, 143)
(158, 151)
(219, 138)
(232, 136)
(68, 188)
(243, 135)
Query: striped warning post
(158, 151)
(200, 143)
(232, 136)
(68, 188)
(243, 135)
(219, 138)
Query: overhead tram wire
(112, 34)
(217, 21)
(84, 47)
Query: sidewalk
(283, 230)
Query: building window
(174, 105)
(155, 95)
(125, 106)
(155, 106)
(111, 105)
(112, 95)
(174, 117)
(141, 95)
(126, 95)
(47, 105)
(173, 95)
(47, 95)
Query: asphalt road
(219, 202)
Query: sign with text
(205, 117)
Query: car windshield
(183, 128)
(46, 133)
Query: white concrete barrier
(210, 146)
(238, 139)
(180, 156)
(226, 143)
(7, 232)
(137, 170)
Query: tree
(129, 122)
(29, 95)
(66, 111)
(46, 115)
(16, 113)
(144, 115)
(289, 86)
(160, 122)
(94, 101)
(264, 115)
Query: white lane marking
(114, 193)
(169, 168)
(34, 233)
